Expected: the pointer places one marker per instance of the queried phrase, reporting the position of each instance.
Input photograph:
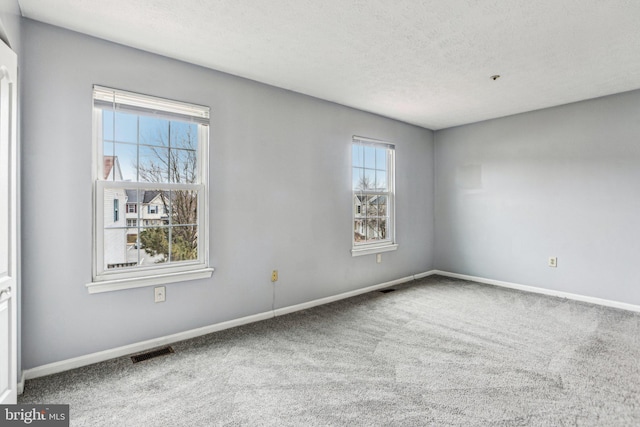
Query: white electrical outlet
(159, 294)
(553, 261)
(378, 258)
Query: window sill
(368, 250)
(139, 282)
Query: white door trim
(9, 254)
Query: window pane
(184, 243)
(357, 155)
(381, 158)
(116, 210)
(113, 199)
(359, 231)
(382, 228)
(369, 181)
(382, 205)
(358, 176)
(115, 249)
(125, 162)
(154, 131)
(183, 166)
(109, 152)
(154, 245)
(126, 128)
(133, 200)
(372, 227)
(108, 149)
(376, 229)
(358, 206)
(184, 207)
(154, 207)
(154, 164)
(381, 180)
(372, 206)
(107, 125)
(369, 157)
(184, 135)
(133, 245)
(134, 253)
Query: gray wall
(280, 198)
(562, 182)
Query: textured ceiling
(423, 62)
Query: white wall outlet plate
(159, 294)
(553, 261)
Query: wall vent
(151, 354)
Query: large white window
(372, 166)
(150, 156)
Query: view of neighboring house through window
(151, 159)
(373, 164)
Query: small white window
(373, 176)
(149, 153)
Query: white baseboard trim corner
(20, 385)
(101, 356)
(543, 291)
(425, 274)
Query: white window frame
(103, 279)
(388, 244)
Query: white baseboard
(425, 274)
(327, 300)
(537, 290)
(101, 356)
(76, 362)
(20, 387)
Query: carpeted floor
(437, 351)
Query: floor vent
(151, 354)
(386, 291)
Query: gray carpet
(437, 351)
